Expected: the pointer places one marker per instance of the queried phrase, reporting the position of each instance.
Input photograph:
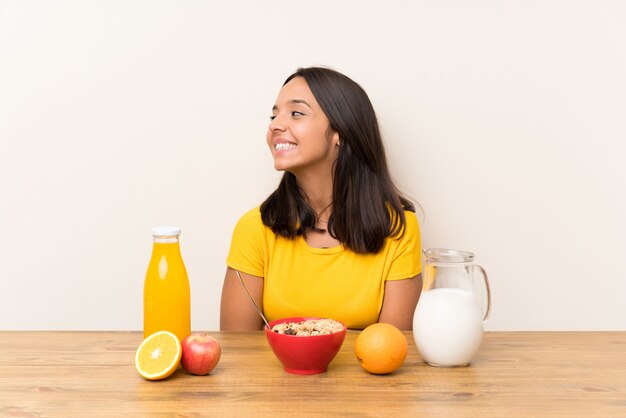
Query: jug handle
(488, 310)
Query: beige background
(505, 120)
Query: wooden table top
(515, 374)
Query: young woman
(336, 239)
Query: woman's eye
(295, 113)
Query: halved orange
(158, 356)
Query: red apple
(201, 353)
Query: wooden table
(515, 374)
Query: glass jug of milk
(455, 301)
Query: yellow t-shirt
(300, 280)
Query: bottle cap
(166, 231)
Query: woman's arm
(236, 310)
(399, 302)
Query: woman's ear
(336, 139)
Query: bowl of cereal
(305, 345)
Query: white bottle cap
(166, 231)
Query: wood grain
(515, 374)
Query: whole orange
(381, 348)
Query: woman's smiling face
(299, 135)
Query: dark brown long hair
(367, 207)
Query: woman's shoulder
(411, 227)
(411, 218)
(250, 219)
(250, 224)
(252, 215)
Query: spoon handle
(252, 299)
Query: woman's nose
(277, 124)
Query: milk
(448, 326)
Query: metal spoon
(252, 299)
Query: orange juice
(166, 296)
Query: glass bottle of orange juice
(166, 298)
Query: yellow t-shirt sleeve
(247, 252)
(407, 260)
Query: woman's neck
(319, 194)
(318, 190)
